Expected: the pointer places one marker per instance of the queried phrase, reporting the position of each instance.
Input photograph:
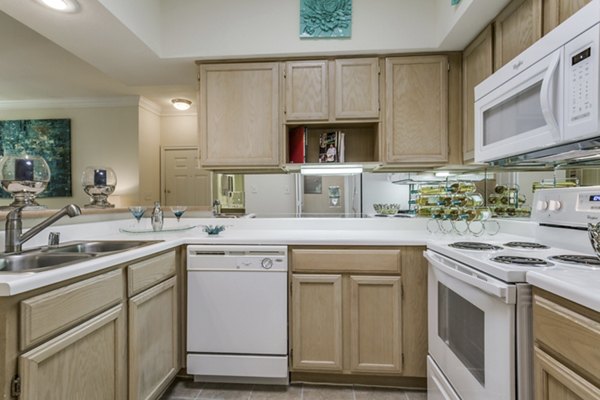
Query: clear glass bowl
(24, 177)
(98, 183)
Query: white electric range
(480, 334)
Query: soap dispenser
(157, 217)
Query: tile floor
(187, 389)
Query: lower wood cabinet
(153, 340)
(566, 352)
(375, 324)
(352, 321)
(112, 336)
(317, 322)
(86, 362)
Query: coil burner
(478, 246)
(526, 245)
(577, 259)
(523, 261)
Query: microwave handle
(546, 98)
(497, 289)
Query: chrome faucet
(14, 238)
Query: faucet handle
(54, 239)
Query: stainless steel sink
(38, 261)
(45, 258)
(100, 246)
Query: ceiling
(115, 48)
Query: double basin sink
(45, 258)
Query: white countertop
(576, 284)
(286, 231)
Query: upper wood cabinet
(516, 28)
(416, 110)
(239, 115)
(477, 65)
(321, 90)
(307, 90)
(356, 88)
(556, 11)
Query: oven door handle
(486, 284)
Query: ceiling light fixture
(181, 104)
(67, 6)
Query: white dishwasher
(237, 313)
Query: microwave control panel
(581, 85)
(580, 105)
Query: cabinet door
(416, 110)
(357, 88)
(375, 324)
(317, 322)
(153, 340)
(86, 362)
(556, 11)
(239, 115)
(477, 65)
(555, 381)
(516, 28)
(306, 90)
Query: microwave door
(522, 114)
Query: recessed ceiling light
(181, 104)
(67, 6)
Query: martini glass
(178, 211)
(137, 212)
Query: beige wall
(179, 130)
(103, 136)
(149, 156)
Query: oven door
(522, 114)
(471, 329)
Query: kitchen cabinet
(477, 65)
(239, 115)
(317, 322)
(89, 359)
(153, 326)
(306, 90)
(86, 362)
(349, 319)
(556, 11)
(416, 110)
(351, 84)
(516, 27)
(113, 335)
(566, 353)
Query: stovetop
(510, 260)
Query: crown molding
(75, 102)
(149, 105)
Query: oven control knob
(542, 205)
(266, 263)
(554, 205)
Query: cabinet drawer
(366, 260)
(573, 336)
(44, 315)
(146, 273)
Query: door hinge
(291, 354)
(15, 386)
(402, 358)
(291, 287)
(448, 66)
(401, 292)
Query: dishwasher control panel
(237, 257)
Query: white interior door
(185, 182)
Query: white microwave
(543, 106)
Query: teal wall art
(47, 138)
(325, 18)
